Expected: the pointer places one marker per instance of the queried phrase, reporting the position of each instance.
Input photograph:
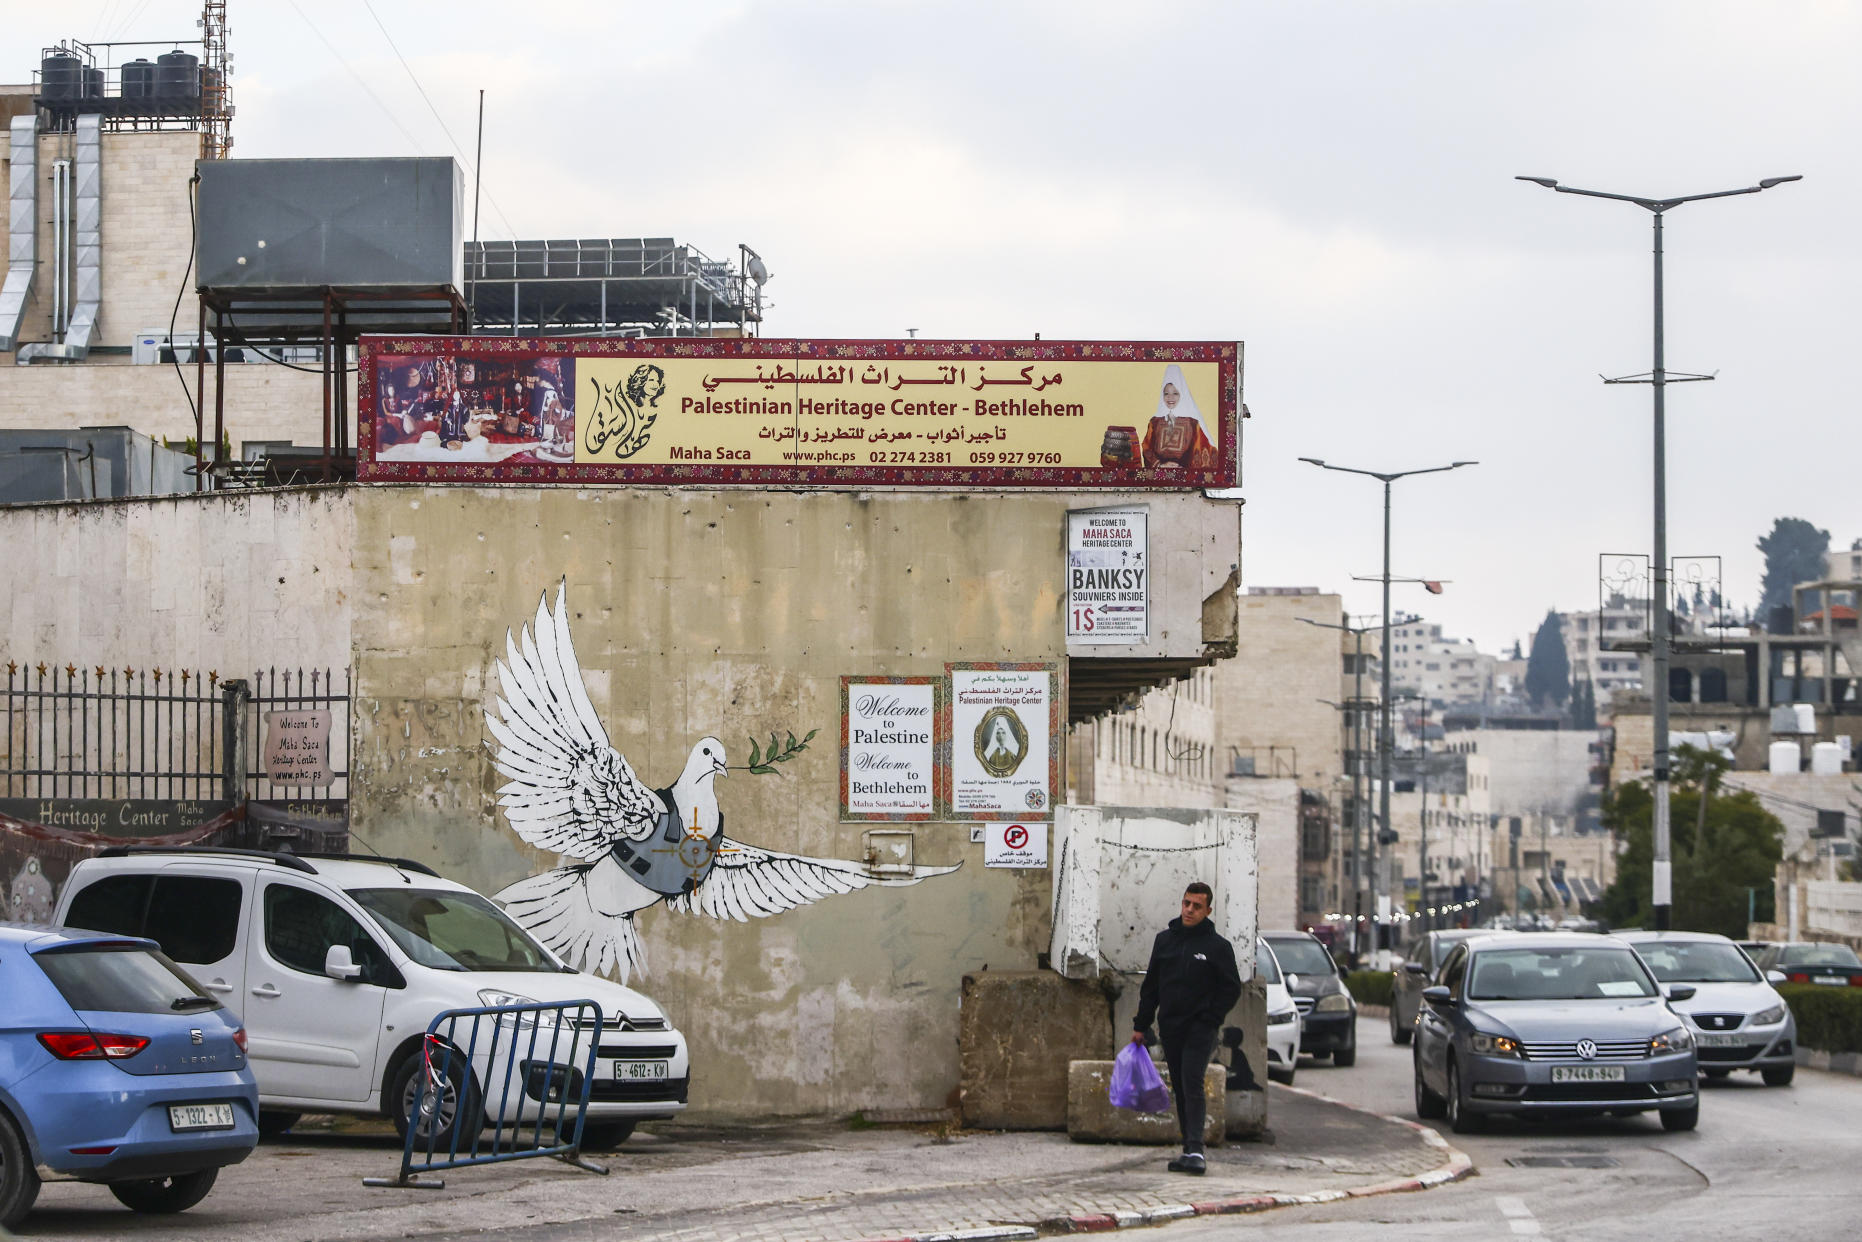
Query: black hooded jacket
(1191, 981)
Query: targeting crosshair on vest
(695, 851)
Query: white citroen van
(337, 964)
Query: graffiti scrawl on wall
(571, 792)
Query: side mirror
(1775, 976)
(339, 963)
(1437, 995)
(1293, 981)
(1415, 968)
(1681, 991)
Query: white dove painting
(571, 792)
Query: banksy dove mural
(569, 791)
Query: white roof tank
(1786, 757)
(1826, 759)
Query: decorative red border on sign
(940, 749)
(1227, 355)
(1056, 741)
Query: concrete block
(1092, 1119)
(1017, 1032)
(1247, 1114)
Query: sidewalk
(815, 1181)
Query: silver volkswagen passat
(1566, 1023)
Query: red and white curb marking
(1453, 1169)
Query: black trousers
(1186, 1054)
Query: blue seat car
(115, 1068)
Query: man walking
(1189, 987)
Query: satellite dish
(757, 271)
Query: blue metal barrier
(537, 1061)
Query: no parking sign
(1015, 845)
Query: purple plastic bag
(1135, 1082)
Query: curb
(1830, 1062)
(1453, 1169)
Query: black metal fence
(96, 733)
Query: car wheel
(456, 1099)
(1460, 1120)
(605, 1135)
(1429, 1105)
(276, 1124)
(19, 1181)
(1780, 1077)
(1716, 1075)
(1399, 1034)
(1680, 1118)
(161, 1195)
(1282, 1074)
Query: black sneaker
(1189, 1162)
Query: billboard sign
(1108, 581)
(680, 410)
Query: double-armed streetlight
(1386, 477)
(1658, 379)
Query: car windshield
(115, 979)
(450, 930)
(1697, 961)
(1586, 973)
(1819, 955)
(1301, 956)
(1264, 964)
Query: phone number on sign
(993, 458)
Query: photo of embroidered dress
(1177, 436)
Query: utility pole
(1660, 640)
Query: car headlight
(492, 998)
(1336, 1002)
(1769, 1016)
(1677, 1040)
(1283, 1017)
(1493, 1045)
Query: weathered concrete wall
(1276, 804)
(1018, 1031)
(731, 613)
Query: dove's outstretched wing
(569, 790)
(749, 882)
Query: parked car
(1421, 957)
(1328, 1014)
(340, 964)
(115, 1068)
(1803, 961)
(1755, 949)
(1552, 1022)
(1283, 1016)
(1741, 1023)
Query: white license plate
(1587, 1073)
(200, 1116)
(1839, 981)
(1707, 1040)
(638, 1071)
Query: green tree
(1548, 669)
(1794, 552)
(1721, 844)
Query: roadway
(1765, 1162)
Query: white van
(337, 964)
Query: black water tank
(61, 76)
(177, 75)
(93, 83)
(139, 79)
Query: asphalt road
(1766, 1162)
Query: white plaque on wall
(1108, 576)
(1004, 731)
(888, 747)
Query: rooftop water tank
(139, 79)
(61, 76)
(1806, 717)
(93, 83)
(1826, 759)
(1785, 757)
(177, 75)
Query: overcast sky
(1330, 183)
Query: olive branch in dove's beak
(762, 762)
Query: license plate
(1587, 1073)
(1707, 1040)
(200, 1116)
(638, 1071)
(1841, 981)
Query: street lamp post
(1660, 643)
(1384, 739)
(1357, 774)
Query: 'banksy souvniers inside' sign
(889, 747)
(1004, 721)
(297, 747)
(1108, 577)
